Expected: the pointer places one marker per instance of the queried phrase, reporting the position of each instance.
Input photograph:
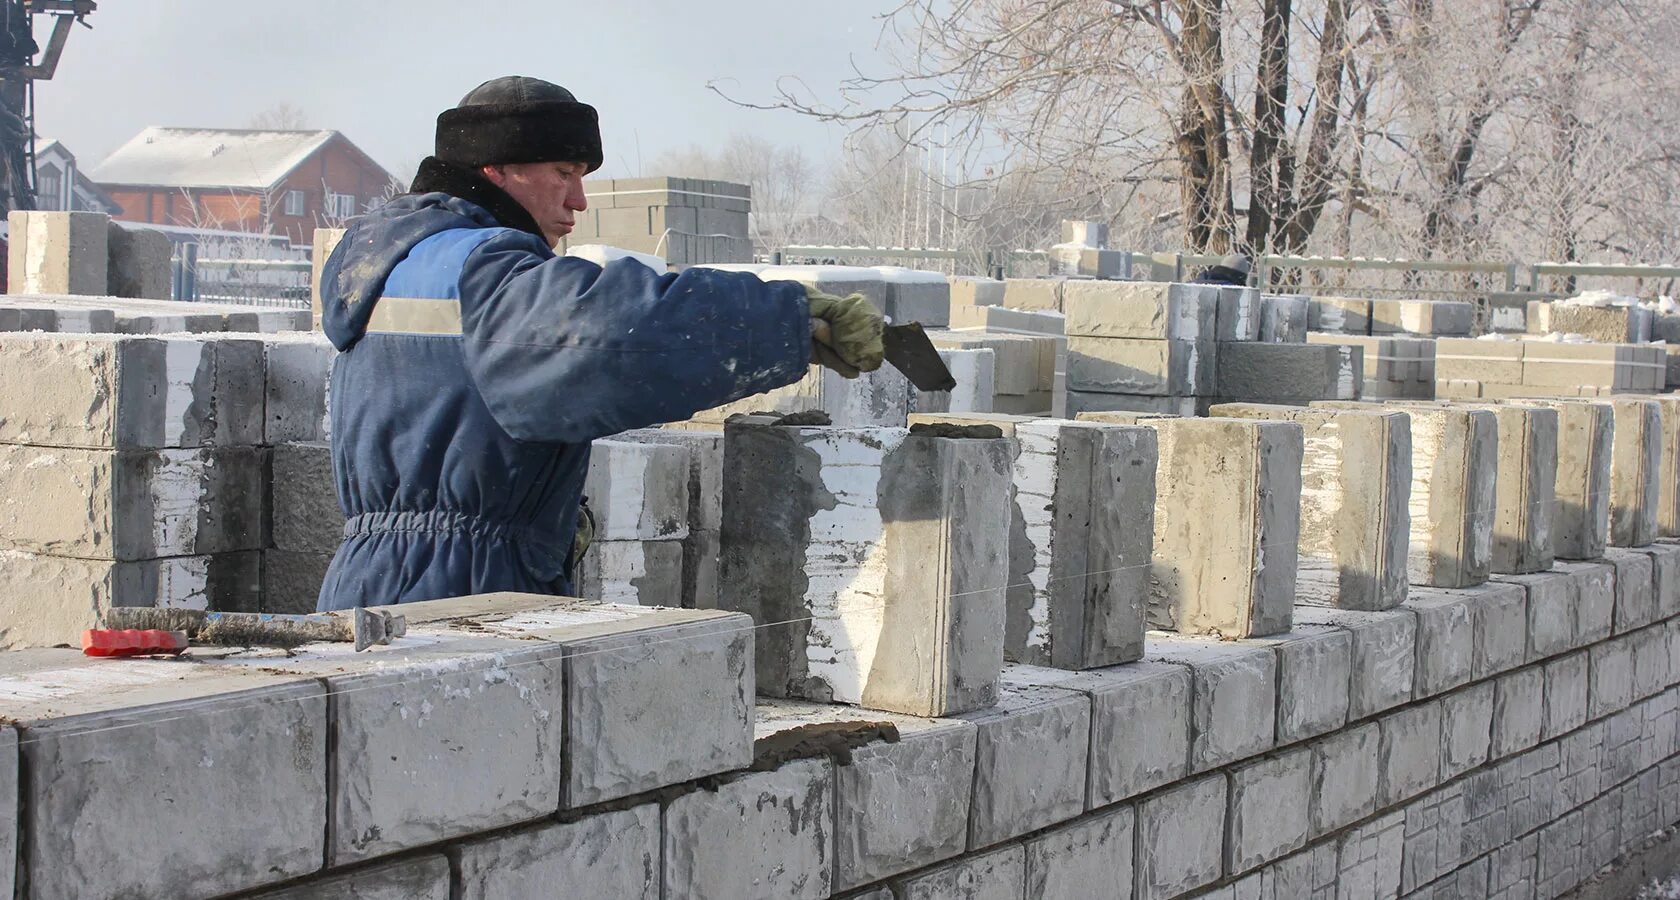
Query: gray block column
(1581, 518)
(1635, 470)
(884, 552)
(1356, 482)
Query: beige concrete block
(57, 253)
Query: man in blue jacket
(477, 366)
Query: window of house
(341, 206)
(48, 183)
(294, 203)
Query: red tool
(132, 642)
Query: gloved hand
(845, 333)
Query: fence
(238, 268)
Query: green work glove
(845, 333)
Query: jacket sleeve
(565, 351)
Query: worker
(476, 365)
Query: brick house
(282, 182)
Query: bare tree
(282, 116)
(785, 186)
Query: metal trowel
(909, 350)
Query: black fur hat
(515, 119)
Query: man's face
(551, 192)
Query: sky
(381, 70)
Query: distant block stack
(1600, 324)
(686, 221)
(1503, 369)
(1394, 368)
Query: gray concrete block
(914, 296)
(1283, 318)
(1560, 866)
(1239, 314)
(1601, 324)
(1609, 677)
(1140, 309)
(766, 834)
(878, 399)
(1446, 641)
(1635, 472)
(1031, 762)
(1063, 864)
(137, 262)
(1519, 711)
(144, 755)
(998, 875)
(1140, 724)
(47, 601)
(611, 854)
(644, 573)
(415, 878)
(1668, 480)
(1408, 754)
(101, 391)
(1343, 786)
(139, 504)
(1033, 293)
(295, 388)
(1018, 359)
(58, 252)
(877, 833)
(841, 527)
(635, 675)
(1079, 552)
(1550, 601)
(1339, 315)
(1227, 518)
(424, 709)
(306, 517)
(1595, 599)
(1314, 666)
(1355, 481)
(1233, 701)
(1581, 523)
(1651, 665)
(1636, 595)
(1499, 622)
(1269, 815)
(1089, 406)
(1369, 858)
(1466, 728)
(9, 809)
(1665, 578)
(1526, 494)
(705, 470)
(1454, 472)
(291, 582)
(975, 372)
(1511, 870)
(1566, 694)
(1385, 656)
(968, 291)
(1089, 262)
(1141, 366)
(1422, 317)
(1181, 839)
(1434, 839)
(1288, 373)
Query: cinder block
(295, 392)
(914, 296)
(1343, 787)
(1030, 763)
(1018, 357)
(1088, 262)
(1313, 667)
(1227, 520)
(137, 262)
(416, 878)
(1635, 470)
(57, 252)
(1551, 601)
(1369, 856)
(1567, 694)
(975, 372)
(1003, 320)
(137, 504)
(840, 281)
(998, 875)
(1340, 315)
(1385, 656)
(1668, 495)
(1595, 599)
(1033, 293)
(635, 676)
(1409, 753)
(844, 528)
(1635, 584)
(1288, 373)
(1519, 712)
(1089, 406)
(1269, 816)
(1511, 870)
(1499, 361)
(100, 391)
(306, 517)
(291, 582)
(877, 834)
(1609, 677)
(1446, 641)
(1233, 711)
(1065, 863)
(1466, 729)
(1422, 317)
(967, 291)
(1239, 314)
(1527, 488)
(1499, 622)
(1434, 840)
(1079, 550)
(612, 854)
(642, 573)
(1140, 724)
(143, 755)
(1355, 481)
(422, 707)
(638, 491)
(1283, 318)
(1560, 866)
(1181, 839)
(1600, 324)
(1139, 366)
(767, 834)
(1141, 310)
(1665, 578)
(1651, 665)
(47, 601)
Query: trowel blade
(909, 350)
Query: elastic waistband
(446, 522)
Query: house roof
(209, 157)
(43, 147)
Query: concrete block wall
(1501, 369)
(686, 221)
